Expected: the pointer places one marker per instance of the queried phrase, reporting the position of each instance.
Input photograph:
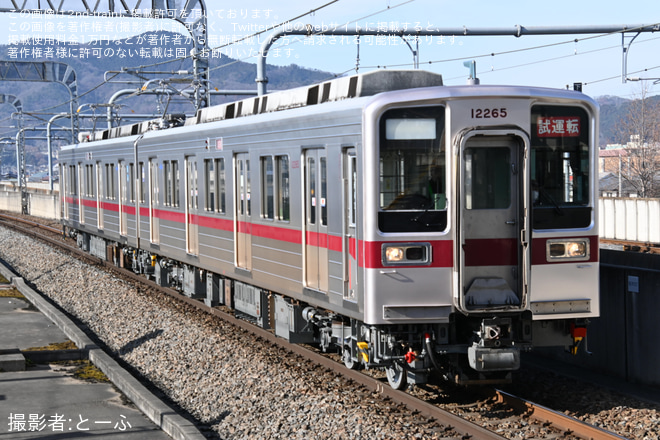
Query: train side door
(316, 220)
(99, 195)
(350, 247)
(154, 230)
(123, 196)
(243, 222)
(191, 203)
(493, 251)
(64, 187)
(81, 193)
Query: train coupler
(484, 359)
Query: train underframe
(468, 349)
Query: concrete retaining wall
(41, 201)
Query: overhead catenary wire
(388, 8)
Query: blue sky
(551, 61)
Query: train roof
(354, 86)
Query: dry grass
(11, 293)
(89, 373)
(67, 345)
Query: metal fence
(630, 219)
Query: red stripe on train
(443, 254)
(491, 252)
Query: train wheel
(348, 359)
(396, 376)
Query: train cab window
(560, 167)
(412, 174)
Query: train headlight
(567, 250)
(393, 254)
(396, 254)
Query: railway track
(633, 246)
(457, 426)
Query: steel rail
(636, 246)
(564, 422)
(30, 223)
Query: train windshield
(412, 171)
(560, 167)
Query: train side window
(220, 182)
(143, 182)
(248, 203)
(282, 185)
(175, 183)
(193, 192)
(99, 180)
(209, 184)
(167, 173)
(73, 181)
(89, 180)
(172, 182)
(267, 182)
(311, 178)
(153, 182)
(353, 192)
(110, 180)
(324, 191)
(81, 179)
(130, 182)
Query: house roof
(613, 153)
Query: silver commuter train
(415, 227)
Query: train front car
(480, 230)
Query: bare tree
(639, 130)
